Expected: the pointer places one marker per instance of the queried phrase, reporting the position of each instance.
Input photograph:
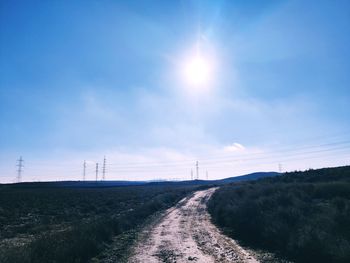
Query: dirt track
(185, 234)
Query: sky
(80, 80)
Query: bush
(301, 215)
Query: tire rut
(186, 234)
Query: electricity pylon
(20, 166)
(104, 168)
(84, 170)
(96, 171)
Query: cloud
(234, 147)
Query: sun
(197, 70)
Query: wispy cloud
(234, 147)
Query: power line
(182, 170)
(182, 167)
(228, 157)
(326, 155)
(216, 171)
(229, 161)
(346, 144)
(237, 159)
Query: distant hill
(78, 184)
(94, 184)
(249, 177)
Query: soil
(185, 234)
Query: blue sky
(84, 79)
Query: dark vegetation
(44, 223)
(247, 177)
(301, 216)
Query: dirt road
(185, 234)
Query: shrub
(301, 215)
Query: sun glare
(197, 71)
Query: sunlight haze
(239, 86)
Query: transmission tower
(84, 170)
(280, 167)
(104, 169)
(191, 174)
(96, 171)
(20, 166)
(197, 169)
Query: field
(301, 216)
(46, 223)
(298, 216)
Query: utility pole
(104, 168)
(197, 168)
(19, 170)
(84, 170)
(206, 173)
(96, 171)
